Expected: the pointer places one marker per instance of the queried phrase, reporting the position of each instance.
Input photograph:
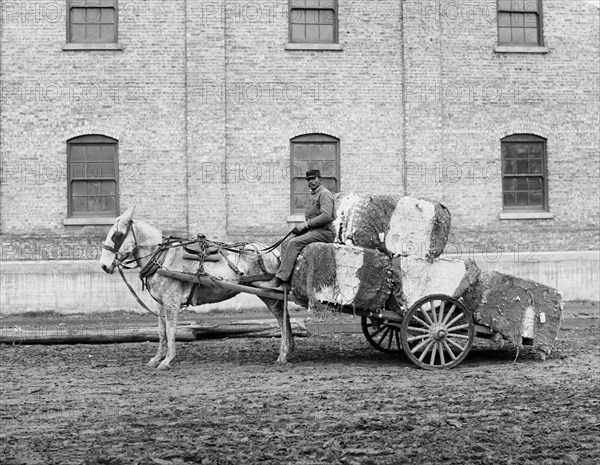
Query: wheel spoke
(425, 351)
(421, 330)
(441, 314)
(456, 328)
(455, 320)
(433, 312)
(449, 350)
(427, 325)
(433, 352)
(426, 315)
(421, 345)
(385, 333)
(459, 336)
(417, 338)
(449, 314)
(398, 344)
(458, 346)
(441, 350)
(391, 339)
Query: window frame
(335, 40)
(91, 4)
(314, 138)
(540, 25)
(87, 140)
(519, 139)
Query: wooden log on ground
(393, 224)
(521, 310)
(420, 277)
(185, 333)
(339, 275)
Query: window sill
(90, 221)
(526, 216)
(79, 47)
(295, 218)
(521, 49)
(323, 47)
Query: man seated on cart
(318, 227)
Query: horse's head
(120, 242)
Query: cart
(436, 332)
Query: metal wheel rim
(437, 332)
(382, 336)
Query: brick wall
(204, 100)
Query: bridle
(117, 238)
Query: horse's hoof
(281, 361)
(152, 363)
(163, 366)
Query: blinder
(117, 239)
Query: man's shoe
(275, 284)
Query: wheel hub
(438, 332)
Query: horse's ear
(128, 215)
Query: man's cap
(313, 174)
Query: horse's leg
(171, 306)
(162, 340)
(287, 338)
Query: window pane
(107, 33)
(92, 15)
(312, 33)
(326, 33)
(95, 204)
(79, 188)
(535, 184)
(518, 35)
(312, 16)
(77, 153)
(530, 5)
(522, 167)
(107, 16)
(79, 204)
(110, 204)
(531, 36)
(108, 188)
(298, 3)
(535, 166)
(517, 20)
(298, 33)
(77, 15)
(108, 152)
(518, 5)
(93, 153)
(326, 17)
(509, 184)
(503, 19)
(537, 199)
(312, 4)
(521, 150)
(523, 184)
(530, 20)
(108, 170)
(331, 184)
(504, 34)
(510, 200)
(78, 33)
(535, 150)
(504, 5)
(94, 188)
(522, 199)
(93, 33)
(78, 170)
(298, 16)
(93, 170)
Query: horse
(130, 241)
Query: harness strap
(134, 293)
(278, 243)
(235, 269)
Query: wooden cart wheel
(437, 332)
(381, 335)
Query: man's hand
(301, 229)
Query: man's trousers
(290, 249)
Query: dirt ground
(339, 401)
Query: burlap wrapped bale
(392, 224)
(516, 308)
(420, 278)
(339, 275)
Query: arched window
(524, 183)
(313, 151)
(92, 175)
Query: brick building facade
(203, 102)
